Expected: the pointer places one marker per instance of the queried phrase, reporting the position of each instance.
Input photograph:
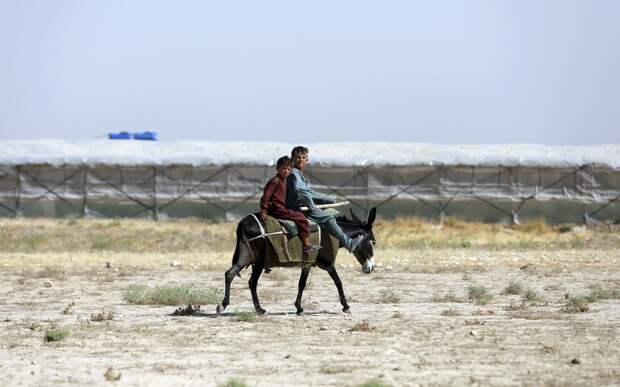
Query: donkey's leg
(243, 257)
(343, 300)
(229, 276)
(302, 284)
(257, 270)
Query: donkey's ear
(372, 215)
(354, 217)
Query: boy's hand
(263, 215)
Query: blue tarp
(119, 136)
(147, 136)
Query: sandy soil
(398, 333)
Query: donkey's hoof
(219, 309)
(346, 310)
(261, 311)
(300, 312)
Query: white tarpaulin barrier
(225, 179)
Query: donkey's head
(366, 249)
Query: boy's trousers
(329, 223)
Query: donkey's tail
(237, 244)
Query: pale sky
(448, 72)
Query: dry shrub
(531, 295)
(460, 225)
(449, 297)
(102, 315)
(450, 312)
(527, 314)
(363, 326)
(533, 226)
(111, 376)
(576, 304)
(483, 312)
(479, 294)
(397, 314)
(330, 369)
(475, 322)
(69, 308)
(517, 307)
(387, 297)
(514, 288)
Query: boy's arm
(320, 198)
(303, 191)
(266, 198)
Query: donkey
(251, 248)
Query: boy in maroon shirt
(273, 202)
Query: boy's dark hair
(297, 150)
(284, 160)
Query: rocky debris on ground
(188, 310)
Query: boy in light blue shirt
(299, 193)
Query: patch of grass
(55, 334)
(479, 294)
(363, 326)
(450, 312)
(374, 383)
(533, 226)
(600, 293)
(535, 315)
(69, 308)
(514, 288)
(193, 235)
(101, 242)
(330, 369)
(234, 382)
(172, 294)
(397, 314)
(111, 376)
(475, 322)
(576, 304)
(531, 295)
(246, 316)
(517, 307)
(46, 272)
(387, 297)
(34, 241)
(449, 297)
(103, 315)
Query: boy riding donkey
(272, 204)
(299, 193)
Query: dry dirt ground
(411, 323)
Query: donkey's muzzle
(368, 266)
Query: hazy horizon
(450, 72)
